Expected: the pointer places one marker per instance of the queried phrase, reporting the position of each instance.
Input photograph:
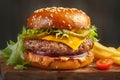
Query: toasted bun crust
(46, 62)
(59, 17)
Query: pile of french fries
(101, 51)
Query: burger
(55, 38)
(58, 38)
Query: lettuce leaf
(31, 33)
(14, 52)
(93, 33)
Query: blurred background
(105, 14)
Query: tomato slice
(104, 64)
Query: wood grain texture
(87, 73)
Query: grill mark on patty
(53, 47)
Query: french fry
(116, 60)
(118, 48)
(101, 51)
(110, 50)
(114, 51)
(101, 54)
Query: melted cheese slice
(73, 42)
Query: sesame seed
(36, 11)
(70, 16)
(74, 9)
(58, 10)
(34, 15)
(52, 10)
(63, 21)
(51, 15)
(32, 19)
(46, 17)
(65, 15)
(69, 25)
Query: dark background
(105, 14)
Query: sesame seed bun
(59, 17)
(54, 54)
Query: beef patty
(53, 47)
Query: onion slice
(85, 54)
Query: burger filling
(70, 38)
(59, 41)
(33, 39)
(53, 47)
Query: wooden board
(87, 73)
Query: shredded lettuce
(32, 33)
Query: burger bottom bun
(47, 62)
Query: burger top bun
(59, 17)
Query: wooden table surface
(87, 73)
